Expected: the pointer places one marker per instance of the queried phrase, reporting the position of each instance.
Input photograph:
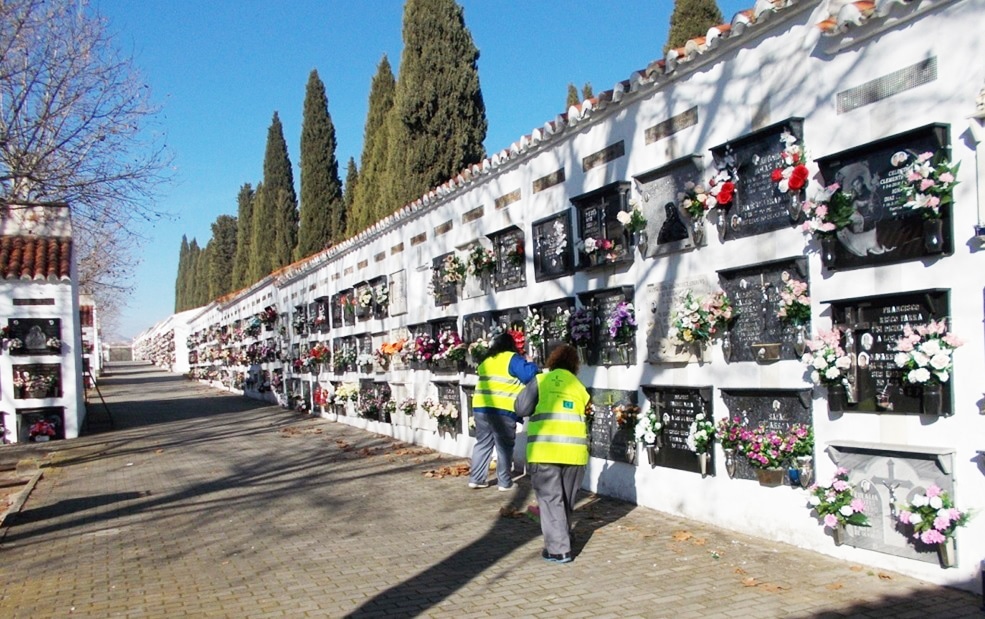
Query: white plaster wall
(772, 73)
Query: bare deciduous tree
(75, 128)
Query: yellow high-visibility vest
(496, 388)
(556, 433)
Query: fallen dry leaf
(750, 582)
(509, 511)
(884, 576)
(681, 536)
(768, 586)
(856, 568)
(834, 586)
(740, 571)
(698, 541)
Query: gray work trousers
(556, 486)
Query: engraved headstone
(758, 205)
(34, 335)
(553, 255)
(757, 333)
(676, 407)
(882, 231)
(660, 301)
(777, 410)
(667, 227)
(872, 326)
(608, 439)
(886, 477)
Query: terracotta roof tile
(35, 258)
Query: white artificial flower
(940, 361)
(915, 518)
(919, 375)
(814, 500)
(901, 359)
(832, 373)
(931, 347)
(936, 503)
(846, 510)
(844, 362)
(820, 363)
(942, 376)
(920, 500)
(623, 217)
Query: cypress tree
(352, 188)
(438, 117)
(190, 276)
(202, 291)
(262, 237)
(365, 201)
(572, 97)
(222, 255)
(321, 190)
(587, 92)
(244, 234)
(280, 200)
(179, 279)
(690, 19)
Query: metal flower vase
(698, 232)
(837, 398)
(703, 463)
(946, 553)
(828, 251)
(800, 340)
(839, 534)
(730, 462)
(932, 398)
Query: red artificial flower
(777, 175)
(798, 178)
(519, 339)
(726, 192)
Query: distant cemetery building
(41, 368)
(776, 228)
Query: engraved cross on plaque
(891, 484)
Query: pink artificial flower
(933, 490)
(932, 537)
(830, 520)
(947, 177)
(904, 517)
(925, 157)
(926, 184)
(942, 522)
(840, 485)
(857, 505)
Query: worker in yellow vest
(502, 374)
(557, 446)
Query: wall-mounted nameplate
(608, 439)
(556, 320)
(775, 409)
(34, 336)
(885, 476)
(604, 349)
(883, 231)
(398, 293)
(658, 312)
(676, 408)
(668, 228)
(758, 206)
(757, 333)
(872, 326)
(553, 247)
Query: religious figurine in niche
(862, 237)
(35, 339)
(673, 229)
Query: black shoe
(562, 558)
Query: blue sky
(220, 68)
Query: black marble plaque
(756, 332)
(775, 409)
(758, 206)
(556, 315)
(26, 417)
(872, 325)
(883, 231)
(597, 219)
(607, 439)
(33, 335)
(511, 259)
(449, 393)
(676, 407)
(668, 228)
(475, 326)
(553, 255)
(37, 380)
(336, 311)
(445, 293)
(604, 349)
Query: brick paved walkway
(202, 504)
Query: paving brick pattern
(203, 504)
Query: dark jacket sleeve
(526, 401)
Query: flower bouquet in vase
(731, 435)
(648, 431)
(925, 355)
(795, 309)
(929, 188)
(700, 439)
(830, 211)
(933, 520)
(767, 451)
(829, 365)
(634, 222)
(792, 177)
(837, 506)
